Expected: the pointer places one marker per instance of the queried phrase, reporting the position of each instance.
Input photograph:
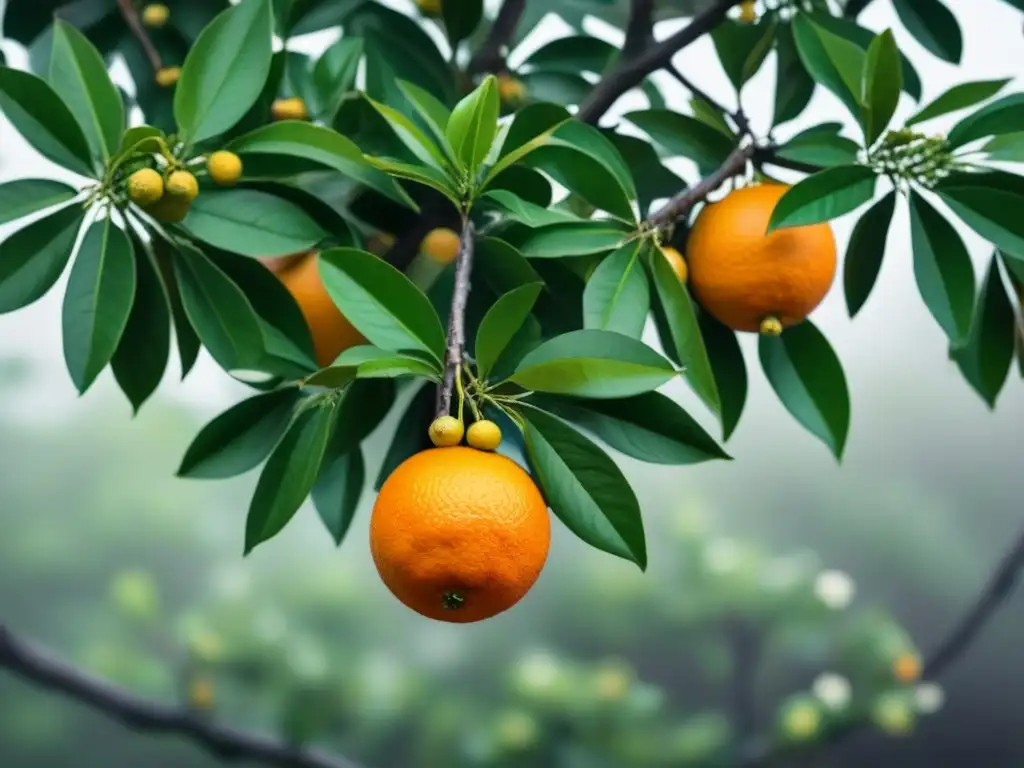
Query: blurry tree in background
(316, 224)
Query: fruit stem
(771, 326)
(452, 600)
(456, 337)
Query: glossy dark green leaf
(649, 427)
(219, 312)
(865, 251)
(511, 206)
(79, 76)
(381, 302)
(943, 269)
(334, 74)
(185, 336)
(314, 15)
(461, 19)
(224, 71)
(432, 113)
(742, 48)
(990, 204)
(687, 340)
(34, 257)
(500, 324)
(1005, 115)
(473, 125)
(653, 180)
(573, 239)
(369, 362)
(685, 136)
(729, 369)
(241, 437)
(933, 25)
(140, 361)
(421, 174)
(531, 128)
(584, 488)
(290, 472)
(323, 146)
(820, 148)
(252, 223)
(958, 97)
(883, 82)
(337, 491)
(831, 60)
(22, 197)
(593, 363)
(824, 196)
(411, 434)
(97, 302)
(572, 55)
(793, 86)
(417, 141)
(1008, 147)
(44, 120)
(805, 373)
(555, 87)
(617, 297)
(986, 357)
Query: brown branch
(629, 73)
(491, 56)
(131, 18)
(24, 660)
(457, 318)
(639, 29)
(681, 205)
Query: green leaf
(805, 373)
(218, 310)
(381, 302)
(585, 488)
(421, 174)
(363, 407)
(224, 71)
(514, 207)
(557, 240)
(820, 148)
(793, 86)
(252, 223)
(831, 60)
(593, 363)
(742, 48)
(532, 123)
(241, 437)
(414, 139)
(653, 180)
(324, 146)
(411, 435)
(824, 196)
(649, 427)
(461, 19)
(990, 204)
(728, 367)
(1009, 147)
(474, 124)
(79, 76)
(617, 297)
(933, 25)
(334, 74)
(1005, 115)
(986, 357)
(97, 302)
(22, 197)
(367, 362)
(34, 257)
(959, 97)
(865, 251)
(44, 120)
(140, 361)
(433, 113)
(290, 472)
(500, 324)
(684, 136)
(943, 269)
(686, 336)
(883, 82)
(337, 491)
(572, 54)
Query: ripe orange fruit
(459, 534)
(743, 276)
(441, 244)
(675, 258)
(292, 108)
(511, 90)
(332, 332)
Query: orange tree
(332, 171)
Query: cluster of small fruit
(167, 196)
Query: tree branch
(680, 205)
(640, 29)
(24, 660)
(131, 18)
(491, 56)
(629, 73)
(739, 116)
(457, 318)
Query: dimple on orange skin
(458, 534)
(743, 276)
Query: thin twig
(131, 18)
(680, 205)
(739, 117)
(639, 29)
(457, 318)
(631, 72)
(38, 667)
(491, 56)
